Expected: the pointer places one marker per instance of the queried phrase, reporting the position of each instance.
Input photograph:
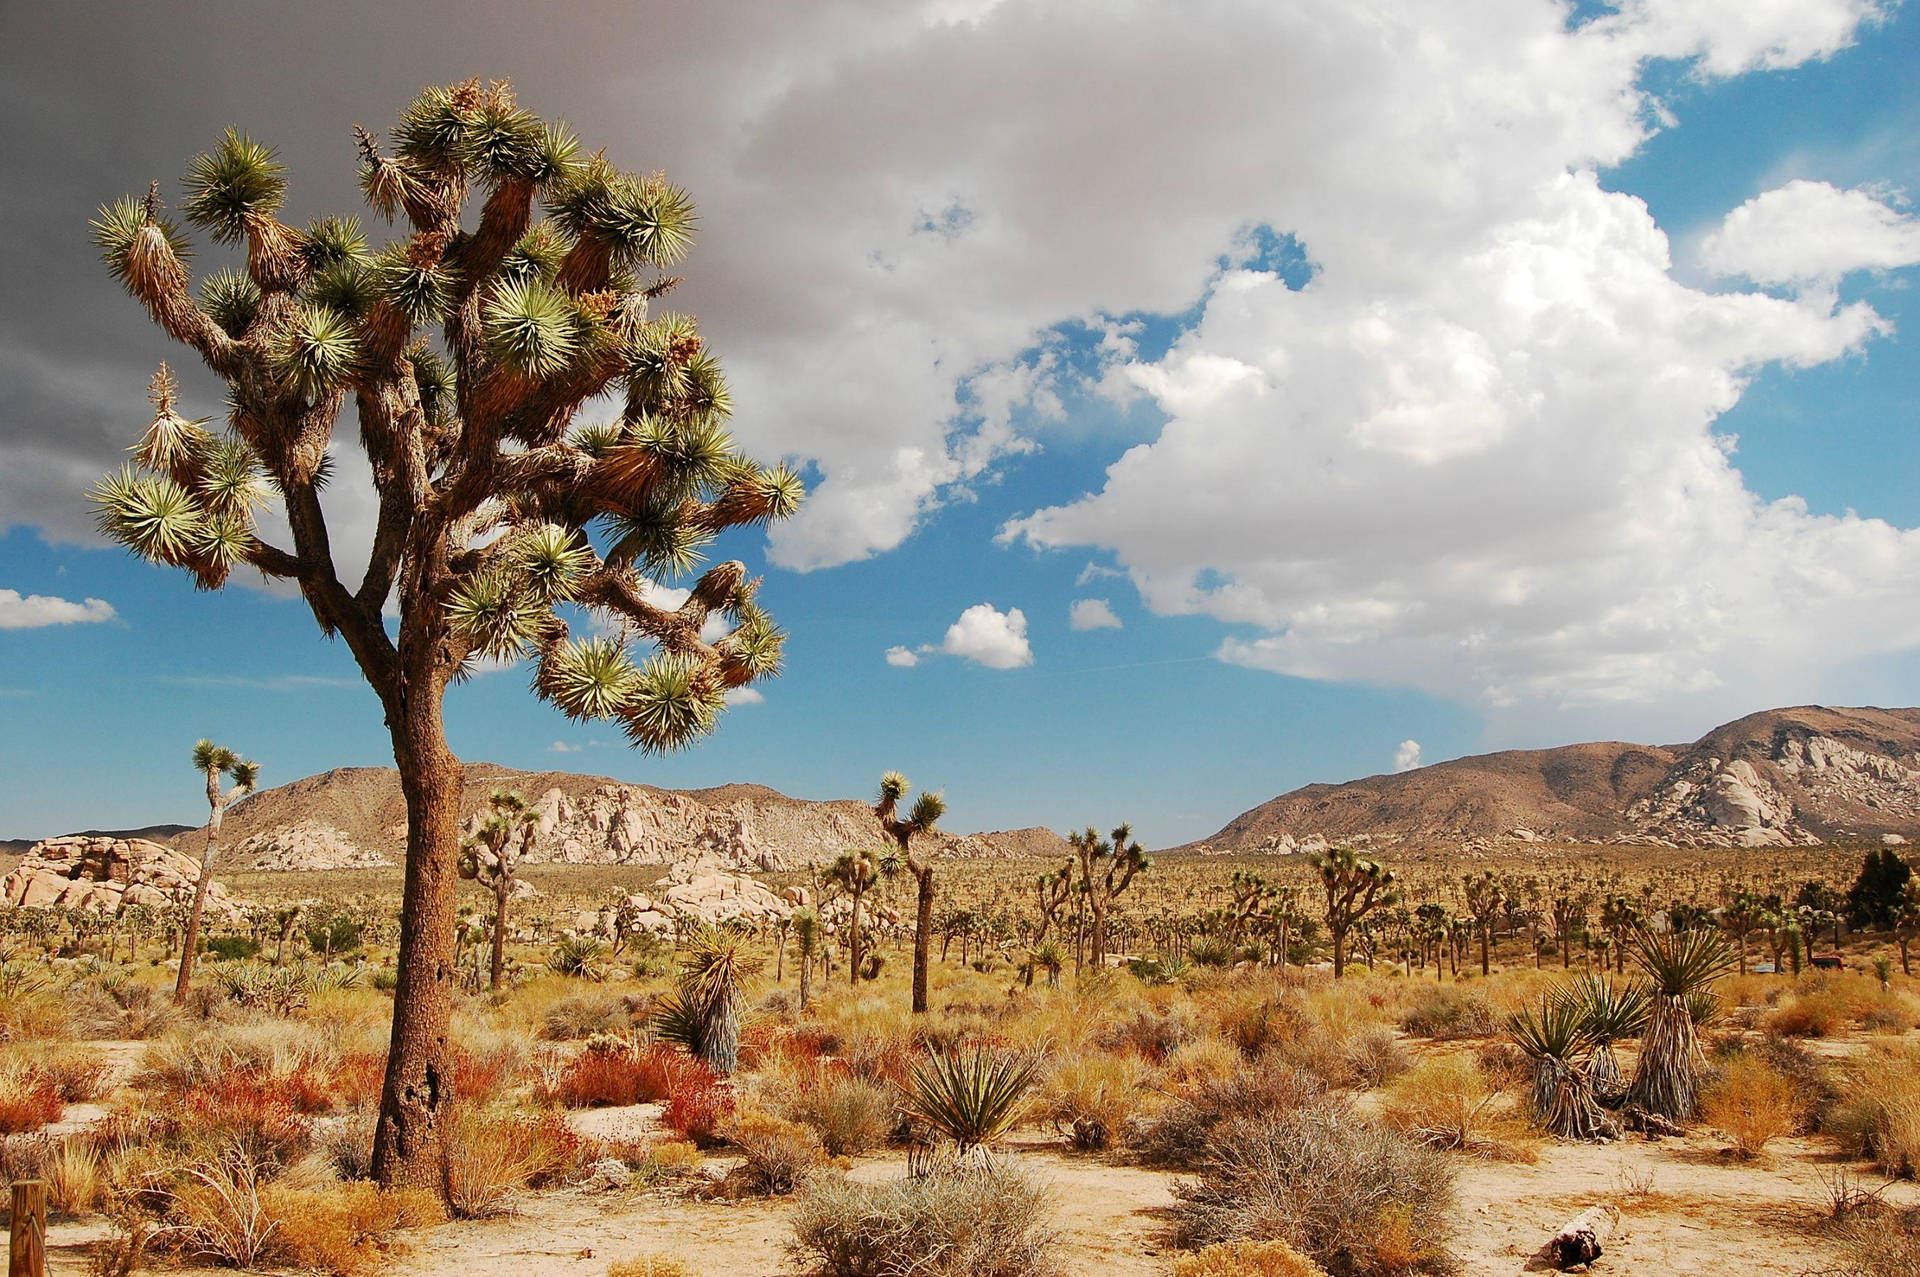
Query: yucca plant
(214, 762)
(517, 294)
(577, 956)
(1609, 1010)
(972, 1097)
(703, 1014)
(1554, 1038)
(1681, 965)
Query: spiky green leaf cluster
(1681, 963)
(317, 351)
(231, 299)
(533, 328)
(590, 680)
(1556, 1030)
(418, 290)
(970, 1096)
(551, 559)
(129, 241)
(235, 182)
(493, 615)
(641, 221)
(672, 704)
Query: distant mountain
(1782, 777)
(355, 817)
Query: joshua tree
(1107, 868)
(492, 857)
(215, 762)
(1906, 923)
(1354, 888)
(1741, 918)
(1051, 891)
(1681, 965)
(1484, 901)
(927, 810)
(1553, 1039)
(468, 348)
(855, 872)
(806, 942)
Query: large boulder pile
(711, 896)
(106, 875)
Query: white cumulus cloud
(1092, 614)
(903, 657)
(987, 636)
(1811, 232)
(745, 696)
(34, 611)
(1407, 756)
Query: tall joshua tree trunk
(927, 811)
(215, 761)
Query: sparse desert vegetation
(1168, 1111)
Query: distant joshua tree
(1107, 868)
(927, 810)
(1354, 888)
(468, 348)
(856, 873)
(492, 856)
(214, 762)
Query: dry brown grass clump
(649, 1266)
(849, 1115)
(984, 1223)
(1449, 1102)
(1176, 1137)
(344, 1230)
(1753, 1103)
(29, 1099)
(779, 1154)
(1881, 1243)
(1878, 1113)
(1361, 1200)
(1247, 1259)
(1090, 1098)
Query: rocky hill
(1782, 777)
(355, 817)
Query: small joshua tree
(1681, 966)
(468, 348)
(1484, 902)
(926, 813)
(492, 856)
(806, 944)
(703, 1014)
(855, 873)
(215, 762)
(1354, 888)
(1107, 867)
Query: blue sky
(1000, 331)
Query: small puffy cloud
(903, 657)
(987, 636)
(36, 611)
(1092, 614)
(1407, 757)
(745, 696)
(1811, 232)
(561, 747)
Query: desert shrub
(1254, 1021)
(697, 1107)
(581, 1015)
(1444, 1102)
(1878, 1113)
(343, 1230)
(1806, 1015)
(1205, 1059)
(1091, 1098)
(29, 1099)
(76, 1178)
(649, 1266)
(849, 1115)
(1811, 1079)
(216, 1211)
(985, 1223)
(1448, 1012)
(1375, 1058)
(610, 1070)
(347, 1142)
(78, 1073)
(1361, 1200)
(1893, 1012)
(1176, 1137)
(1752, 1103)
(486, 1165)
(1152, 1032)
(1880, 1243)
(1247, 1259)
(778, 1154)
(230, 948)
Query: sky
(1196, 400)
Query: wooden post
(27, 1241)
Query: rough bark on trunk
(407, 1148)
(499, 967)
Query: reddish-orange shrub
(28, 1101)
(627, 1075)
(698, 1109)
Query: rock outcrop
(708, 896)
(106, 875)
(355, 817)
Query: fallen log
(1580, 1241)
(1635, 1118)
